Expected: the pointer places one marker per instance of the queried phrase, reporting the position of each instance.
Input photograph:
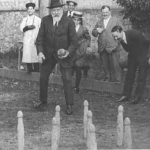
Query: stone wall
(94, 4)
(10, 33)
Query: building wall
(94, 4)
(10, 33)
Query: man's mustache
(56, 16)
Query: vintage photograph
(74, 74)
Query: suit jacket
(105, 39)
(51, 39)
(84, 40)
(137, 45)
(65, 13)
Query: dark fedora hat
(30, 5)
(71, 2)
(77, 14)
(55, 3)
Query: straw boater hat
(71, 2)
(55, 3)
(77, 14)
(30, 4)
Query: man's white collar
(124, 38)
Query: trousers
(110, 62)
(46, 69)
(33, 67)
(141, 68)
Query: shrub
(138, 13)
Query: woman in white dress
(30, 28)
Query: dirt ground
(19, 95)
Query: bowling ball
(61, 52)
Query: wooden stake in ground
(20, 131)
(120, 126)
(92, 138)
(57, 116)
(127, 134)
(54, 135)
(85, 117)
(89, 122)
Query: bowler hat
(55, 3)
(30, 4)
(71, 2)
(77, 14)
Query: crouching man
(137, 47)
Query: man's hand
(30, 27)
(41, 57)
(25, 29)
(62, 53)
(62, 57)
(100, 30)
(149, 61)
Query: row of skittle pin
(123, 129)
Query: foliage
(137, 11)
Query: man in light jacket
(108, 48)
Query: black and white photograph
(74, 74)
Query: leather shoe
(123, 99)
(115, 80)
(136, 100)
(106, 79)
(69, 110)
(76, 90)
(40, 106)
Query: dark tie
(69, 14)
(55, 26)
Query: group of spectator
(62, 38)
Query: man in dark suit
(71, 8)
(56, 43)
(137, 47)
